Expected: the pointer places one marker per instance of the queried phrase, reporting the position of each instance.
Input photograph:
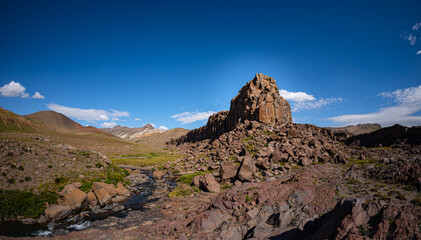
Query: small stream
(83, 220)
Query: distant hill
(358, 129)
(10, 121)
(131, 133)
(388, 136)
(159, 139)
(62, 124)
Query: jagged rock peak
(259, 100)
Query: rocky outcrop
(258, 100)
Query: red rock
(228, 170)
(210, 184)
(247, 169)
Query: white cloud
(408, 102)
(163, 128)
(138, 119)
(13, 89)
(87, 114)
(296, 96)
(419, 52)
(411, 38)
(309, 105)
(108, 124)
(153, 125)
(416, 26)
(189, 117)
(116, 113)
(37, 95)
(303, 101)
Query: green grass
(15, 203)
(179, 192)
(188, 178)
(148, 159)
(248, 199)
(111, 175)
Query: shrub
(99, 165)
(179, 192)
(85, 154)
(11, 181)
(18, 203)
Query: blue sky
(172, 63)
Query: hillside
(10, 121)
(62, 124)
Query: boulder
(92, 200)
(118, 198)
(121, 190)
(263, 163)
(247, 169)
(305, 161)
(228, 170)
(101, 192)
(158, 174)
(264, 152)
(293, 133)
(76, 199)
(57, 212)
(289, 151)
(196, 181)
(210, 184)
(216, 144)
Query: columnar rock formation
(258, 100)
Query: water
(134, 202)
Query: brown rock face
(258, 100)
